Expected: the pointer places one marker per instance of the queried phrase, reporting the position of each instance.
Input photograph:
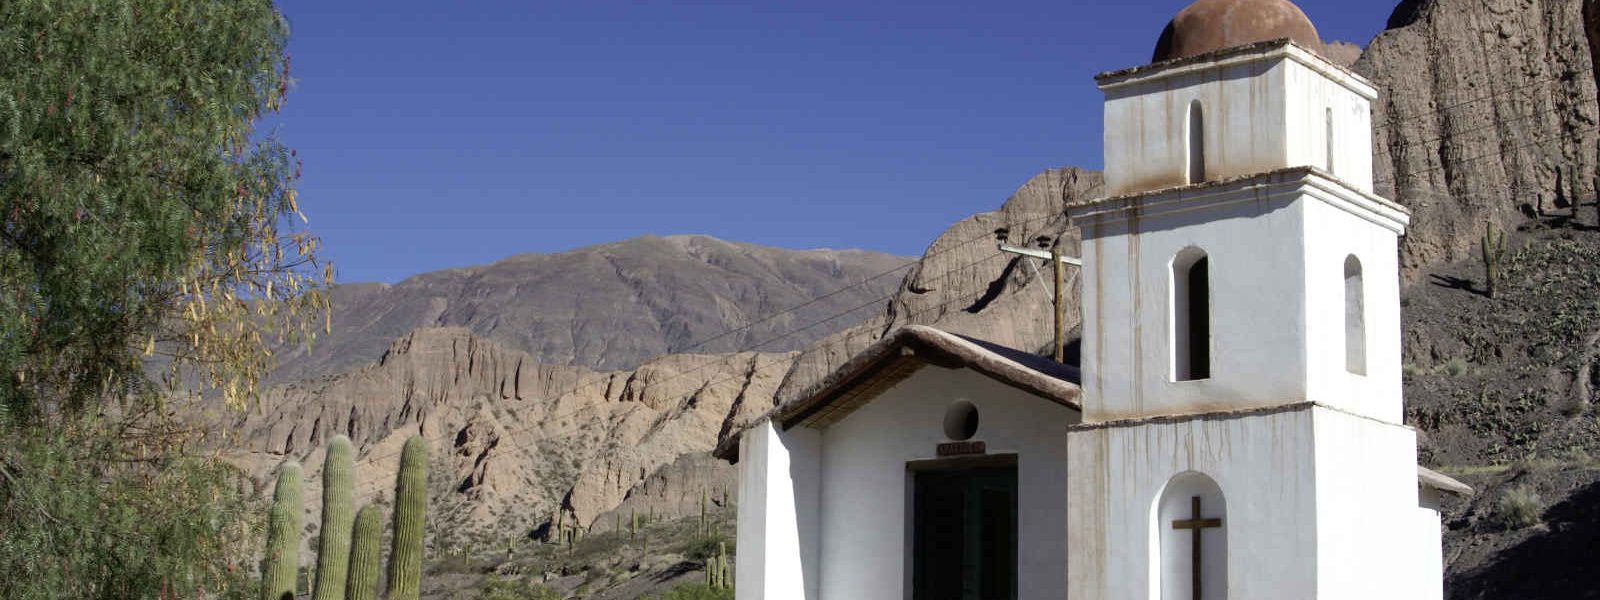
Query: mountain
(610, 306)
(1487, 116)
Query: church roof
(901, 354)
(1210, 25)
(1439, 481)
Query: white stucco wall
(1311, 89)
(865, 482)
(1332, 234)
(1264, 465)
(779, 492)
(1375, 540)
(1264, 110)
(1277, 297)
(1320, 504)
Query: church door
(964, 544)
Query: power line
(1501, 154)
(1520, 89)
(1495, 125)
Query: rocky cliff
(1487, 113)
(514, 441)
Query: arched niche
(1190, 315)
(1195, 142)
(1189, 520)
(1355, 317)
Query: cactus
(410, 504)
(361, 582)
(718, 571)
(1493, 248)
(1596, 181)
(703, 499)
(282, 563)
(633, 526)
(333, 549)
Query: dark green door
(964, 542)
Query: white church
(1235, 430)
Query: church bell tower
(1243, 431)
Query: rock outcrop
(1487, 107)
(965, 284)
(515, 441)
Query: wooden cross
(1194, 523)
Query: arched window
(1191, 315)
(1355, 318)
(1189, 540)
(1197, 143)
(1331, 145)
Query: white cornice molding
(1281, 185)
(1241, 55)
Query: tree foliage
(151, 248)
(71, 527)
(142, 214)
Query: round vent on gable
(961, 421)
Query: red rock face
(1211, 25)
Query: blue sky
(445, 134)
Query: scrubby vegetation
(1519, 507)
(500, 588)
(695, 591)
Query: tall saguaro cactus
(338, 496)
(1493, 247)
(410, 504)
(283, 535)
(362, 580)
(1596, 182)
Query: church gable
(902, 354)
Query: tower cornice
(1281, 49)
(1282, 184)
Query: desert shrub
(1457, 367)
(697, 591)
(1519, 507)
(705, 547)
(500, 588)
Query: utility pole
(1058, 264)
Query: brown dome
(1210, 25)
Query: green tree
(142, 214)
(151, 249)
